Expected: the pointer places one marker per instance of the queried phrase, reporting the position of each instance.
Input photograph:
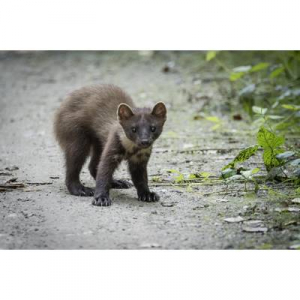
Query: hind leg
(120, 184)
(76, 154)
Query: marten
(103, 122)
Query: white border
(149, 275)
(142, 25)
(155, 24)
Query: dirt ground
(42, 215)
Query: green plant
(269, 92)
(275, 159)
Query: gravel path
(42, 215)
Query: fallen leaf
(9, 186)
(146, 53)
(296, 200)
(287, 209)
(293, 222)
(253, 223)
(255, 229)
(167, 204)
(5, 174)
(14, 179)
(198, 207)
(222, 200)
(13, 168)
(295, 247)
(294, 209)
(31, 189)
(234, 220)
(254, 226)
(185, 146)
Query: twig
(199, 149)
(39, 183)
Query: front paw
(148, 196)
(102, 200)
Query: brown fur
(87, 124)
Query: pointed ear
(124, 112)
(159, 110)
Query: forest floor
(40, 214)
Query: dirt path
(43, 216)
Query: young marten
(102, 121)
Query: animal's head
(142, 125)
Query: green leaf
(255, 170)
(249, 89)
(179, 178)
(213, 119)
(259, 122)
(228, 173)
(291, 107)
(283, 126)
(248, 173)
(192, 176)
(241, 69)
(276, 72)
(286, 94)
(210, 55)
(265, 246)
(156, 179)
(269, 157)
(235, 76)
(205, 175)
(259, 67)
(259, 110)
(189, 188)
(242, 156)
(215, 127)
(275, 104)
(273, 117)
(267, 139)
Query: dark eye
(133, 129)
(153, 128)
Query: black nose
(145, 142)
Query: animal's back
(89, 111)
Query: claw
(102, 200)
(148, 197)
